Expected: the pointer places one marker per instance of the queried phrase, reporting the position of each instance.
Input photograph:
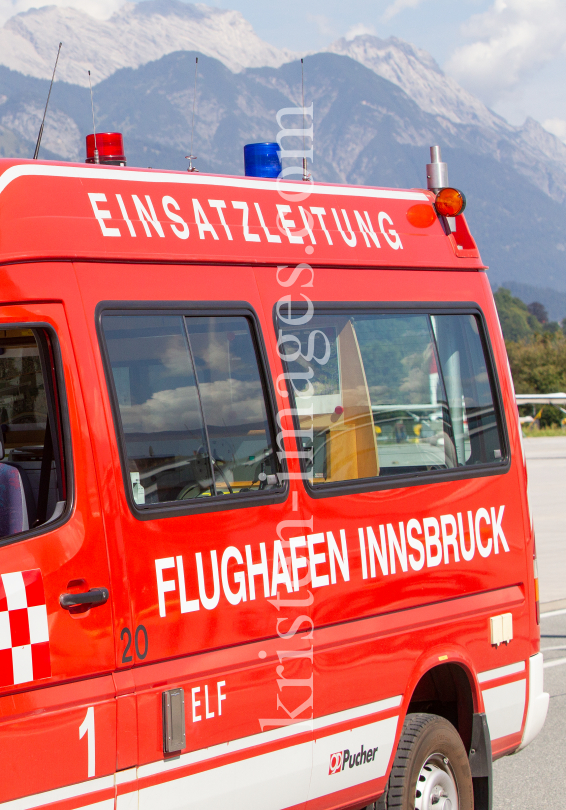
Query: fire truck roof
(51, 210)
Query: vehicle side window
(387, 394)
(471, 402)
(192, 406)
(32, 476)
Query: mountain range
(136, 34)
(378, 106)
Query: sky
(509, 53)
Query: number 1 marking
(87, 727)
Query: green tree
(516, 321)
(536, 350)
(538, 365)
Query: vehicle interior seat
(16, 500)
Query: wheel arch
(448, 690)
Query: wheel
(431, 770)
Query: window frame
(62, 423)
(169, 509)
(375, 484)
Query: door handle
(96, 596)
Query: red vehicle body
(249, 637)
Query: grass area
(534, 433)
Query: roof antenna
(305, 169)
(96, 155)
(39, 137)
(192, 157)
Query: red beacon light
(110, 146)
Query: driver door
(57, 694)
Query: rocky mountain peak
(136, 34)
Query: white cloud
(557, 126)
(513, 39)
(178, 408)
(102, 9)
(359, 30)
(399, 5)
(324, 24)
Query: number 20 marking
(127, 634)
(87, 727)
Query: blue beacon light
(262, 160)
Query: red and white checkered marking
(24, 633)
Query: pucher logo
(336, 762)
(339, 760)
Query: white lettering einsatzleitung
(211, 223)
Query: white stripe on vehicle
(127, 801)
(132, 176)
(501, 672)
(359, 711)
(67, 792)
(130, 775)
(230, 747)
(505, 707)
(266, 782)
(279, 778)
(380, 736)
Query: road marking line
(555, 663)
(553, 613)
(552, 649)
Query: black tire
(431, 761)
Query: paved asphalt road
(535, 779)
(546, 467)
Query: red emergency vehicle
(265, 531)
